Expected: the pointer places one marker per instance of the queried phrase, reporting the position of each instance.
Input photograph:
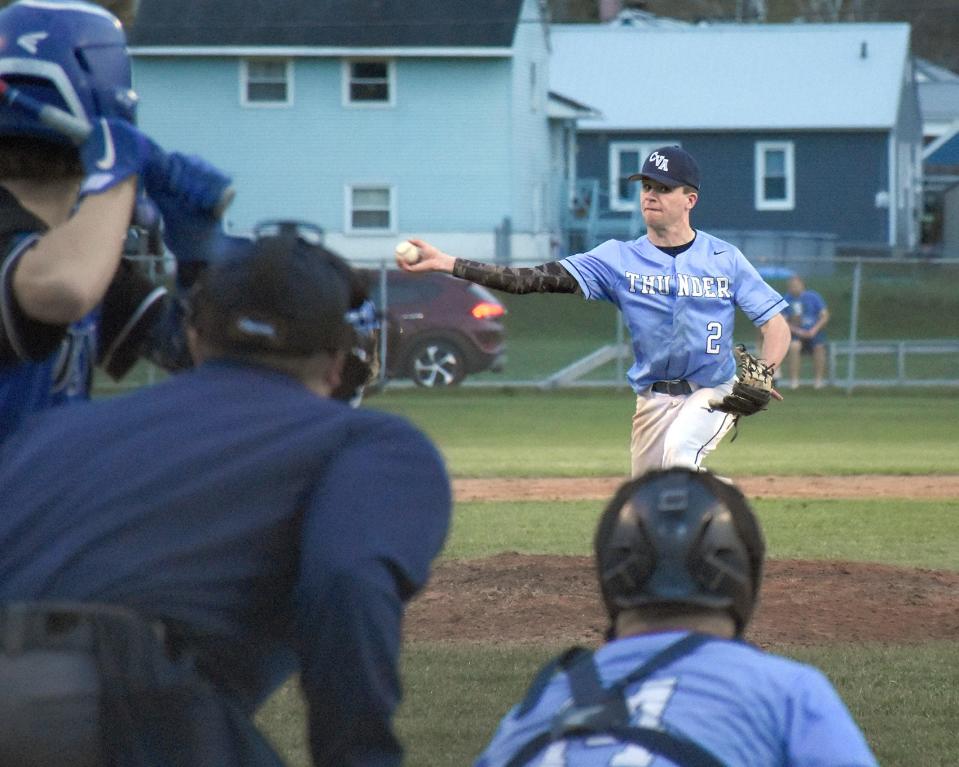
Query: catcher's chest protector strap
(600, 711)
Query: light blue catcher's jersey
(679, 310)
(746, 707)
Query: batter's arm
(68, 271)
(551, 277)
(776, 338)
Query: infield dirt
(553, 599)
(915, 487)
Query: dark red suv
(439, 328)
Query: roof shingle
(326, 23)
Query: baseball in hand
(406, 251)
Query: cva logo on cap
(662, 163)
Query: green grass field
(906, 698)
(910, 534)
(586, 432)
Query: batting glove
(114, 151)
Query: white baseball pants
(677, 430)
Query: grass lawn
(586, 432)
(913, 534)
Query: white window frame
(346, 70)
(348, 190)
(643, 149)
(788, 150)
(245, 82)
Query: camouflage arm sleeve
(545, 278)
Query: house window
(368, 83)
(370, 208)
(775, 175)
(266, 82)
(625, 159)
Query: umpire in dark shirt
(169, 557)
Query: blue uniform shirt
(679, 310)
(272, 528)
(747, 707)
(31, 385)
(43, 366)
(804, 310)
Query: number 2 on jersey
(715, 330)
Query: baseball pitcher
(677, 289)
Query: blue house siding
(946, 154)
(295, 161)
(837, 178)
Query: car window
(409, 291)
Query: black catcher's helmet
(680, 537)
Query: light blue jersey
(679, 310)
(747, 707)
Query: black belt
(676, 387)
(26, 626)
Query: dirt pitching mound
(549, 599)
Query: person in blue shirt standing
(808, 316)
(677, 289)
(679, 558)
(169, 557)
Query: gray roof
(326, 23)
(939, 101)
(926, 71)
(733, 77)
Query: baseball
(408, 252)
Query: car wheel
(437, 363)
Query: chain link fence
(893, 322)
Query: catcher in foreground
(679, 562)
(753, 387)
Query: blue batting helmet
(66, 53)
(680, 537)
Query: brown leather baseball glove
(753, 388)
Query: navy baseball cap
(284, 296)
(672, 166)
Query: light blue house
(802, 130)
(375, 120)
